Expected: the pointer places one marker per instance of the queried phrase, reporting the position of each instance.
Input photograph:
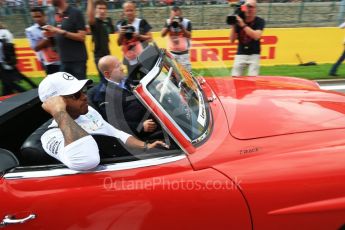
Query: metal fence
(203, 14)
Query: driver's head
(111, 68)
(70, 88)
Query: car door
(162, 192)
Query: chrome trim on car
(51, 172)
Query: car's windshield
(178, 93)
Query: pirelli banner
(212, 48)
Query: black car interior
(23, 121)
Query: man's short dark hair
(176, 8)
(101, 2)
(129, 2)
(37, 9)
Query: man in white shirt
(6, 36)
(69, 138)
(10, 75)
(44, 47)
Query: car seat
(33, 154)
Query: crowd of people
(60, 45)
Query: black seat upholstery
(7, 160)
(32, 152)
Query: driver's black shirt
(247, 45)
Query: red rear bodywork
(284, 147)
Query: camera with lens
(175, 22)
(129, 29)
(240, 9)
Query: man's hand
(123, 30)
(240, 21)
(54, 105)
(71, 131)
(157, 144)
(149, 126)
(52, 30)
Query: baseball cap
(60, 84)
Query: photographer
(134, 36)
(248, 30)
(179, 30)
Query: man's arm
(145, 37)
(78, 36)
(254, 34)
(34, 44)
(71, 131)
(233, 34)
(164, 31)
(44, 43)
(90, 12)
(121, 36)
(145, 31)
(132, 142)
(186, 33)
(79, 151)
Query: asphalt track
(333, 84)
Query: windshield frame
(152, 75)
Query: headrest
(7, 160)
(32, 152)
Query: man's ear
(106, 74)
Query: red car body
(273, 158)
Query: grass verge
(308, 72)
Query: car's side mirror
(7, 160)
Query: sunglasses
(77, 95)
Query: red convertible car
(246, 153)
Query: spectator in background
(9, 74)
(45, 48)
(134, 36)
(2, 7)
(248, 32)
(70, 33)
(126, 112)
(179, 30)
(333, 71)
(101, 27)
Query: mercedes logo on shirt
(67, 76)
